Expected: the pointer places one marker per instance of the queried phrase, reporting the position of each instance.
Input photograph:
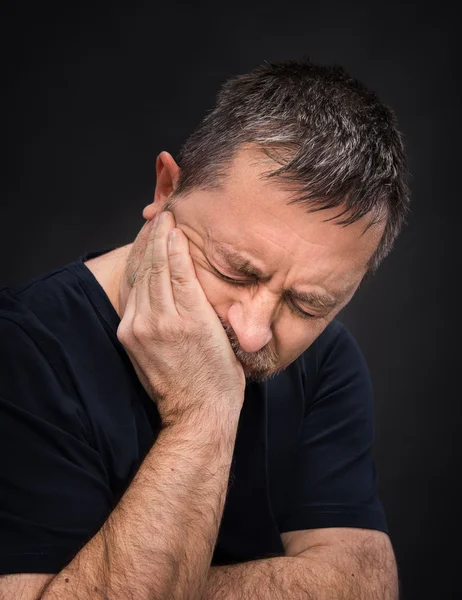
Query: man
(184, 417)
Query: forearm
(300, 578)
(159, 540)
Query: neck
(109, 270)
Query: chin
(254, 376)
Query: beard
(258, 366)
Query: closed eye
(238, 283)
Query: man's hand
(158, 541)
(173, 336)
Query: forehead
(250, 214)
(250, 200)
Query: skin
(251, 215)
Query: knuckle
(184, 291)
(176, 258)
(178, 264)
(151, 329)
(180, 281)
(157, 268)
(139, 328)
(123, 332)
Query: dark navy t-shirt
(76, 424)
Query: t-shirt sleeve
(54, 490)
(334, 481)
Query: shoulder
(15, 322)
(335, 348)
(20, 330)
(34, 381)
(340, 374)
(336, 335)
(25, 364)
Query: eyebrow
(245, 267)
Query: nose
(251, 319)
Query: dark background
(93, 93)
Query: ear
(167, 174)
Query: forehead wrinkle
(241, 264)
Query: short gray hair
(337, 144)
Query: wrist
(222, 419)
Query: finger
(146, 258)
(152, 267)
(155, 291)
(185, 286)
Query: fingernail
(156, 220)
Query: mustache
(266, 357)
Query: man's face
(267, 324)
